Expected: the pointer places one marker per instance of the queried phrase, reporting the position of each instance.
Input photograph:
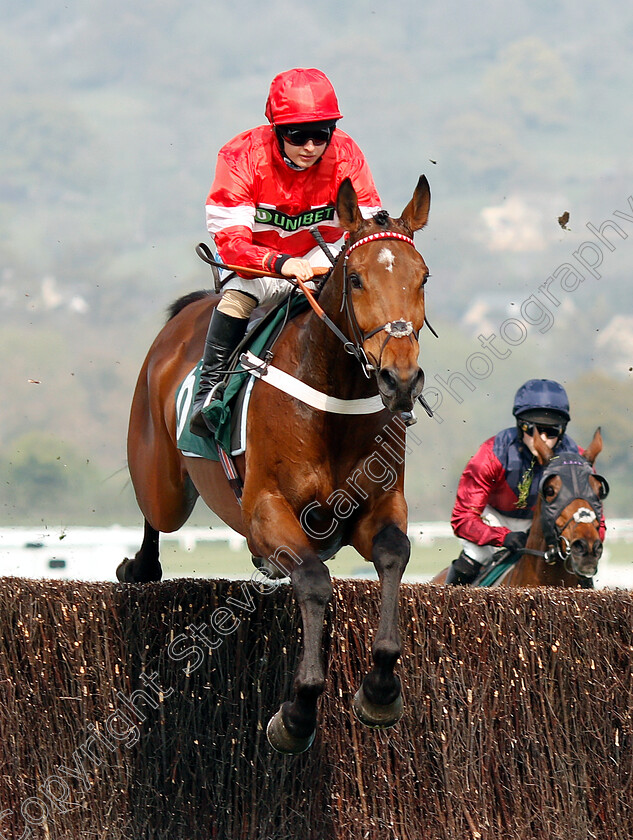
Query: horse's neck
(536, 538)
(323, 362)
(529, 569)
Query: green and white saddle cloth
(228, 414)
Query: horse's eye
(355, 281)
(549, 492)
(424, 279)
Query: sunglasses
(548, 431)
(300, 136)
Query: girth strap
(306, 394)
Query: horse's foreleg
(378, 702)
(292, 729)
(313, 590)
(145, 565)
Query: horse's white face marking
(386, 258)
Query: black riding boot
(462, 571)
(224, 334)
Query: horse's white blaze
(386, 258)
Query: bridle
(560, 550)
(400, 328)
(394, 329)
(574, 473)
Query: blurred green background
(206, 560)
(111, 116)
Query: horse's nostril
(392, 381)
(389, 380)
(419, 381)
(580, 546)
(597, 549)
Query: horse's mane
(382, 218)
(178, 305)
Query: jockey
(497, 491)
(272, 184)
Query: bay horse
(313, 480)
(564, 545)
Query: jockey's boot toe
(197, 423)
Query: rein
(394, 329)
(205, 254)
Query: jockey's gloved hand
(515, 540)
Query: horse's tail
(178, 305)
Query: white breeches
(272, 289)
(483, 553)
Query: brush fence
(140, 711)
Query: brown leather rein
(394, 329)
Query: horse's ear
(415, 215)
(349, 215)
(543, 452)
(595, 447)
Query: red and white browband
(373, 237)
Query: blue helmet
(541, 401)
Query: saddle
(500, 562)
(229, 412)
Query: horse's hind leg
(144, 567)
(378, 702)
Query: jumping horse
(313, 480)
(564, 545)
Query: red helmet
(300, 96)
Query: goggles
(548, 431)
(300, 136)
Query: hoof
(282, 741)
(374, 716)
(125, 573)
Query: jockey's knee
(463, 570)
(237, 304)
